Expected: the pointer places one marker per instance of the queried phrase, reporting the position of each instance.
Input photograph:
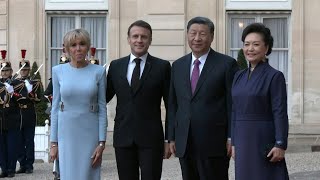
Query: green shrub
(42, 105)
(241, 60)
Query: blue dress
(78, 118)
(259, 119)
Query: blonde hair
(71, 36)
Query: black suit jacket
(204, 117)
(138, 114)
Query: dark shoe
(3, 175)
(21, 170)
(11, 175)
(29, 171)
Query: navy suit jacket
(204, 117)
(138, 114)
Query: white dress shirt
(202, 60)
(132, 64)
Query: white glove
(28, 85)
(9, 87)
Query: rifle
(35, 73)
(15, 75)
(3, 65)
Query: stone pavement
(301, 166)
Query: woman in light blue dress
(78, 115)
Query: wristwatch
(101, 145)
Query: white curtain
(279, 60)
(96, 26)
(59, 26)
(237, 26)
(279, 57)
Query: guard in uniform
(48, 94)
(92, 59)
(10, 94)
(28, 116)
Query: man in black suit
(200, 106)
(139, 81)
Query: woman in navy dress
(260, 120)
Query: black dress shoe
(21, 170)
(3, 175)
(29, 171)
(11, 175)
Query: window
(258, 4)
(59, 24)
(278, 24)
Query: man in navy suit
(200, 106)
(139, 81)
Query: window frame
(76, 5)
(77, 15)
(258, 18)
(258, 4)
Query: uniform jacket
(10, 116)
(27, 105)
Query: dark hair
(260, 29)
(201, 20)
(140, 23)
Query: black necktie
(135, 79)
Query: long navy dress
(259, 119)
